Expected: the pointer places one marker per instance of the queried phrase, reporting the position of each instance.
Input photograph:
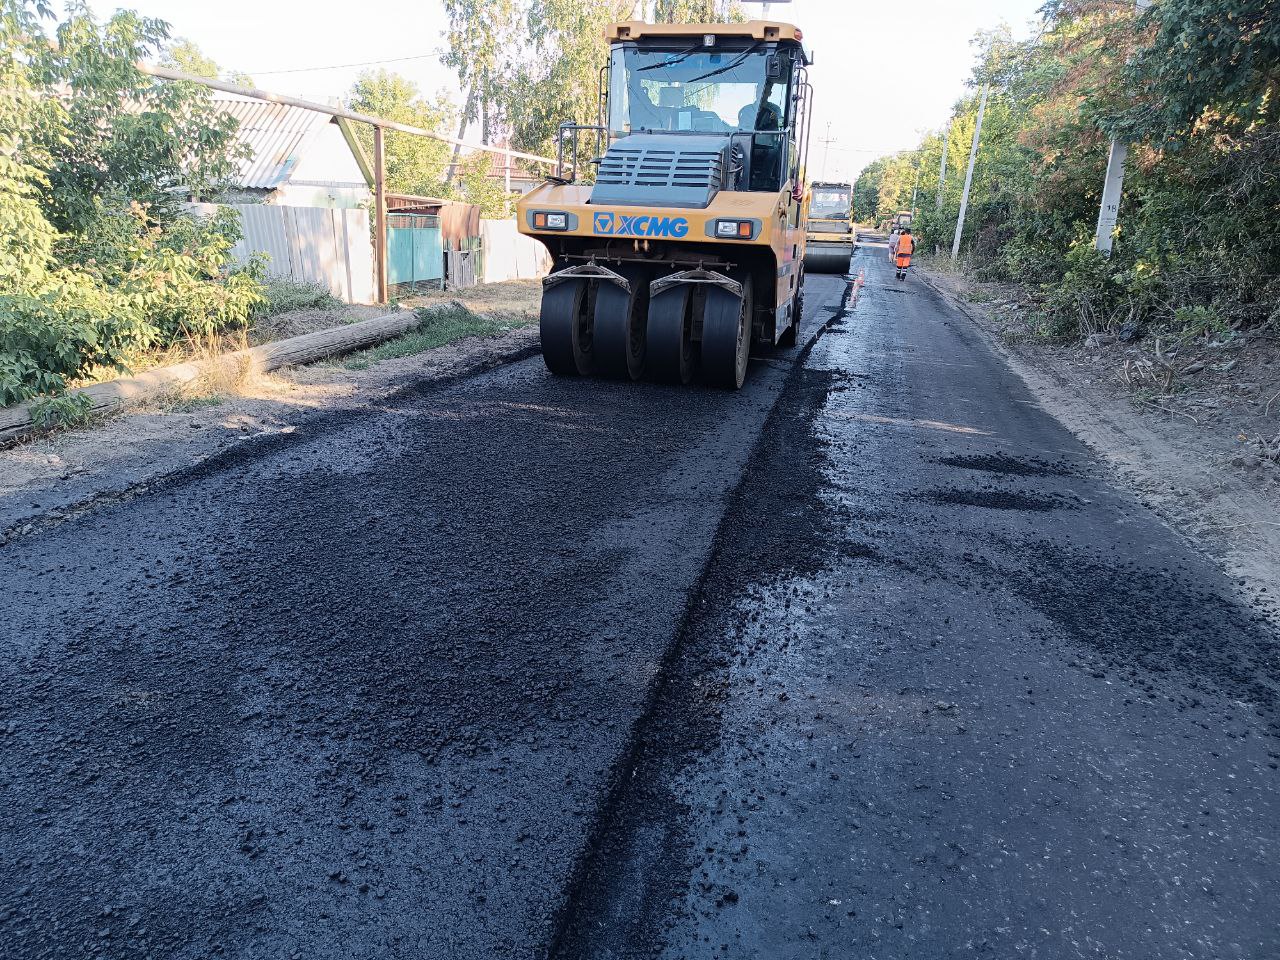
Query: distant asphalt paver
(871, 659)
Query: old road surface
(871, 660)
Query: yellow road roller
(676, 223)
(830, 235)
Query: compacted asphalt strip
(944, 692)
(357, 692)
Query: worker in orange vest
(906, 247)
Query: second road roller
(831, 237)
(676, 224)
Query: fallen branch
(1156, 406)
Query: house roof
(277, 133)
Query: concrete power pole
(968, 177)
(1113, 184)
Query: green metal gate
(415, 250)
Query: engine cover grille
(662, 171)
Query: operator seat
(766, 148)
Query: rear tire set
(596, 327)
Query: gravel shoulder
(60, 474)
(1192, 460)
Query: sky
(883, 73)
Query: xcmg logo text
(642, 226)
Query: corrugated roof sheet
(276, 133)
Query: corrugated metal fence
(329, 247)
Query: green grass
(440, 325)
(286, 295)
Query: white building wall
(327, 175)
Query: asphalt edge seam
(628, 759)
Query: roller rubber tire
(565, 328)
(726, 334)
(790, 335)
(669, 331)
(621, 321)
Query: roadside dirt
(51, 477)
(1204, 456)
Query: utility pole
(826, 152)
(1113, 184)
(968, 177)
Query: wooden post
(380, 216)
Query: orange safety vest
(906, 247)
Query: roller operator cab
(678, 242)
(829, 227)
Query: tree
(184, 55)
(415, 165)
(559, 81)
(866, 192)
(696, 11)
(170, 141)
(481, 42)
(90, 273)
(1221, 56)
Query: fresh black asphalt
(869, 659)
(946, 692)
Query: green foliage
(168, 143)
(440, 325)
(64, 411)
(866, 192)
(482, 36)
(696, 11)
(559, 81)
(1209, 64)
(477, 185)
(184, 55)
(90, 273)
(414, 165)
(1199, 232)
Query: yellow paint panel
(755, 29)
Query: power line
(343, 66)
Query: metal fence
(415, 250)
(329, 247)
